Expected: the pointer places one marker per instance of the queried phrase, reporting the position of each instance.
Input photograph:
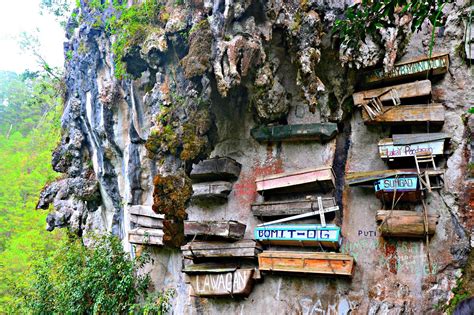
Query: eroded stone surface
(258, 62)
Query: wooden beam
(239, 249)
(230, 230)
(219, 168)
(300, 132)
(145, 211)
(408, 114)
(400, 223)
(298, 181)
(419, 67)
(321, 263)
(289, 208)
(406, 90)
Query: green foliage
(130, 26)
(58, 8)
(460, 293)
(369, 16)
(90, 280)
(30, 108)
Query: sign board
(233, 283)
(299, 234)
(400, 183)
(388, 150)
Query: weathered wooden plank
(389, 150)
(146, 221)
(219, 168)
(231, 230)
(318, 179)
(144, 236)
(408, 114)
(287, 208)
(368, 178)
(299, 235)
(405, 188)
(406, 90)
(236, 283)
(145, 211)
(239, 249)
(412, 138)
(320, 263)
(299, 132)
(207, 190)
(400, 223)
(419, 67)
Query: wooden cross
(321, 211)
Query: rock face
(211, 72)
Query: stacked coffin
(218, 261)
(280, 233)
(147, 226)
(212, 179)
(406, 104)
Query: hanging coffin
(239, 249)
(227, 230)
(400, 223)
(219, 168)
(319, 263)
(211, 190)
(407, 145)
(319, 179)
(299, 235)
(144, 216)
(145, 236)
(407, 114)
(287, 208)
(419, 67)
(302, 132)
(405, 188)
(389, 93)
(211, 280)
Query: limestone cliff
(199, 79)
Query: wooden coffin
(301, 132)
(239, 249)
(320, 263)
(407, 145)
(144, 216)
(288, 208)
(299, 235)
(146, 236)
(313, 179)
(400, 223)
(367, 179)
(403, 91)
(219, 168)
(408, 114)
(419, 67)
(405, 188)
(229, 230)
(211, 280)
(211, 190)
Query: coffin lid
(367, 178)
(306, 255)
(403, 139)
(306, 170)
(214, 268)
(422, 57)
